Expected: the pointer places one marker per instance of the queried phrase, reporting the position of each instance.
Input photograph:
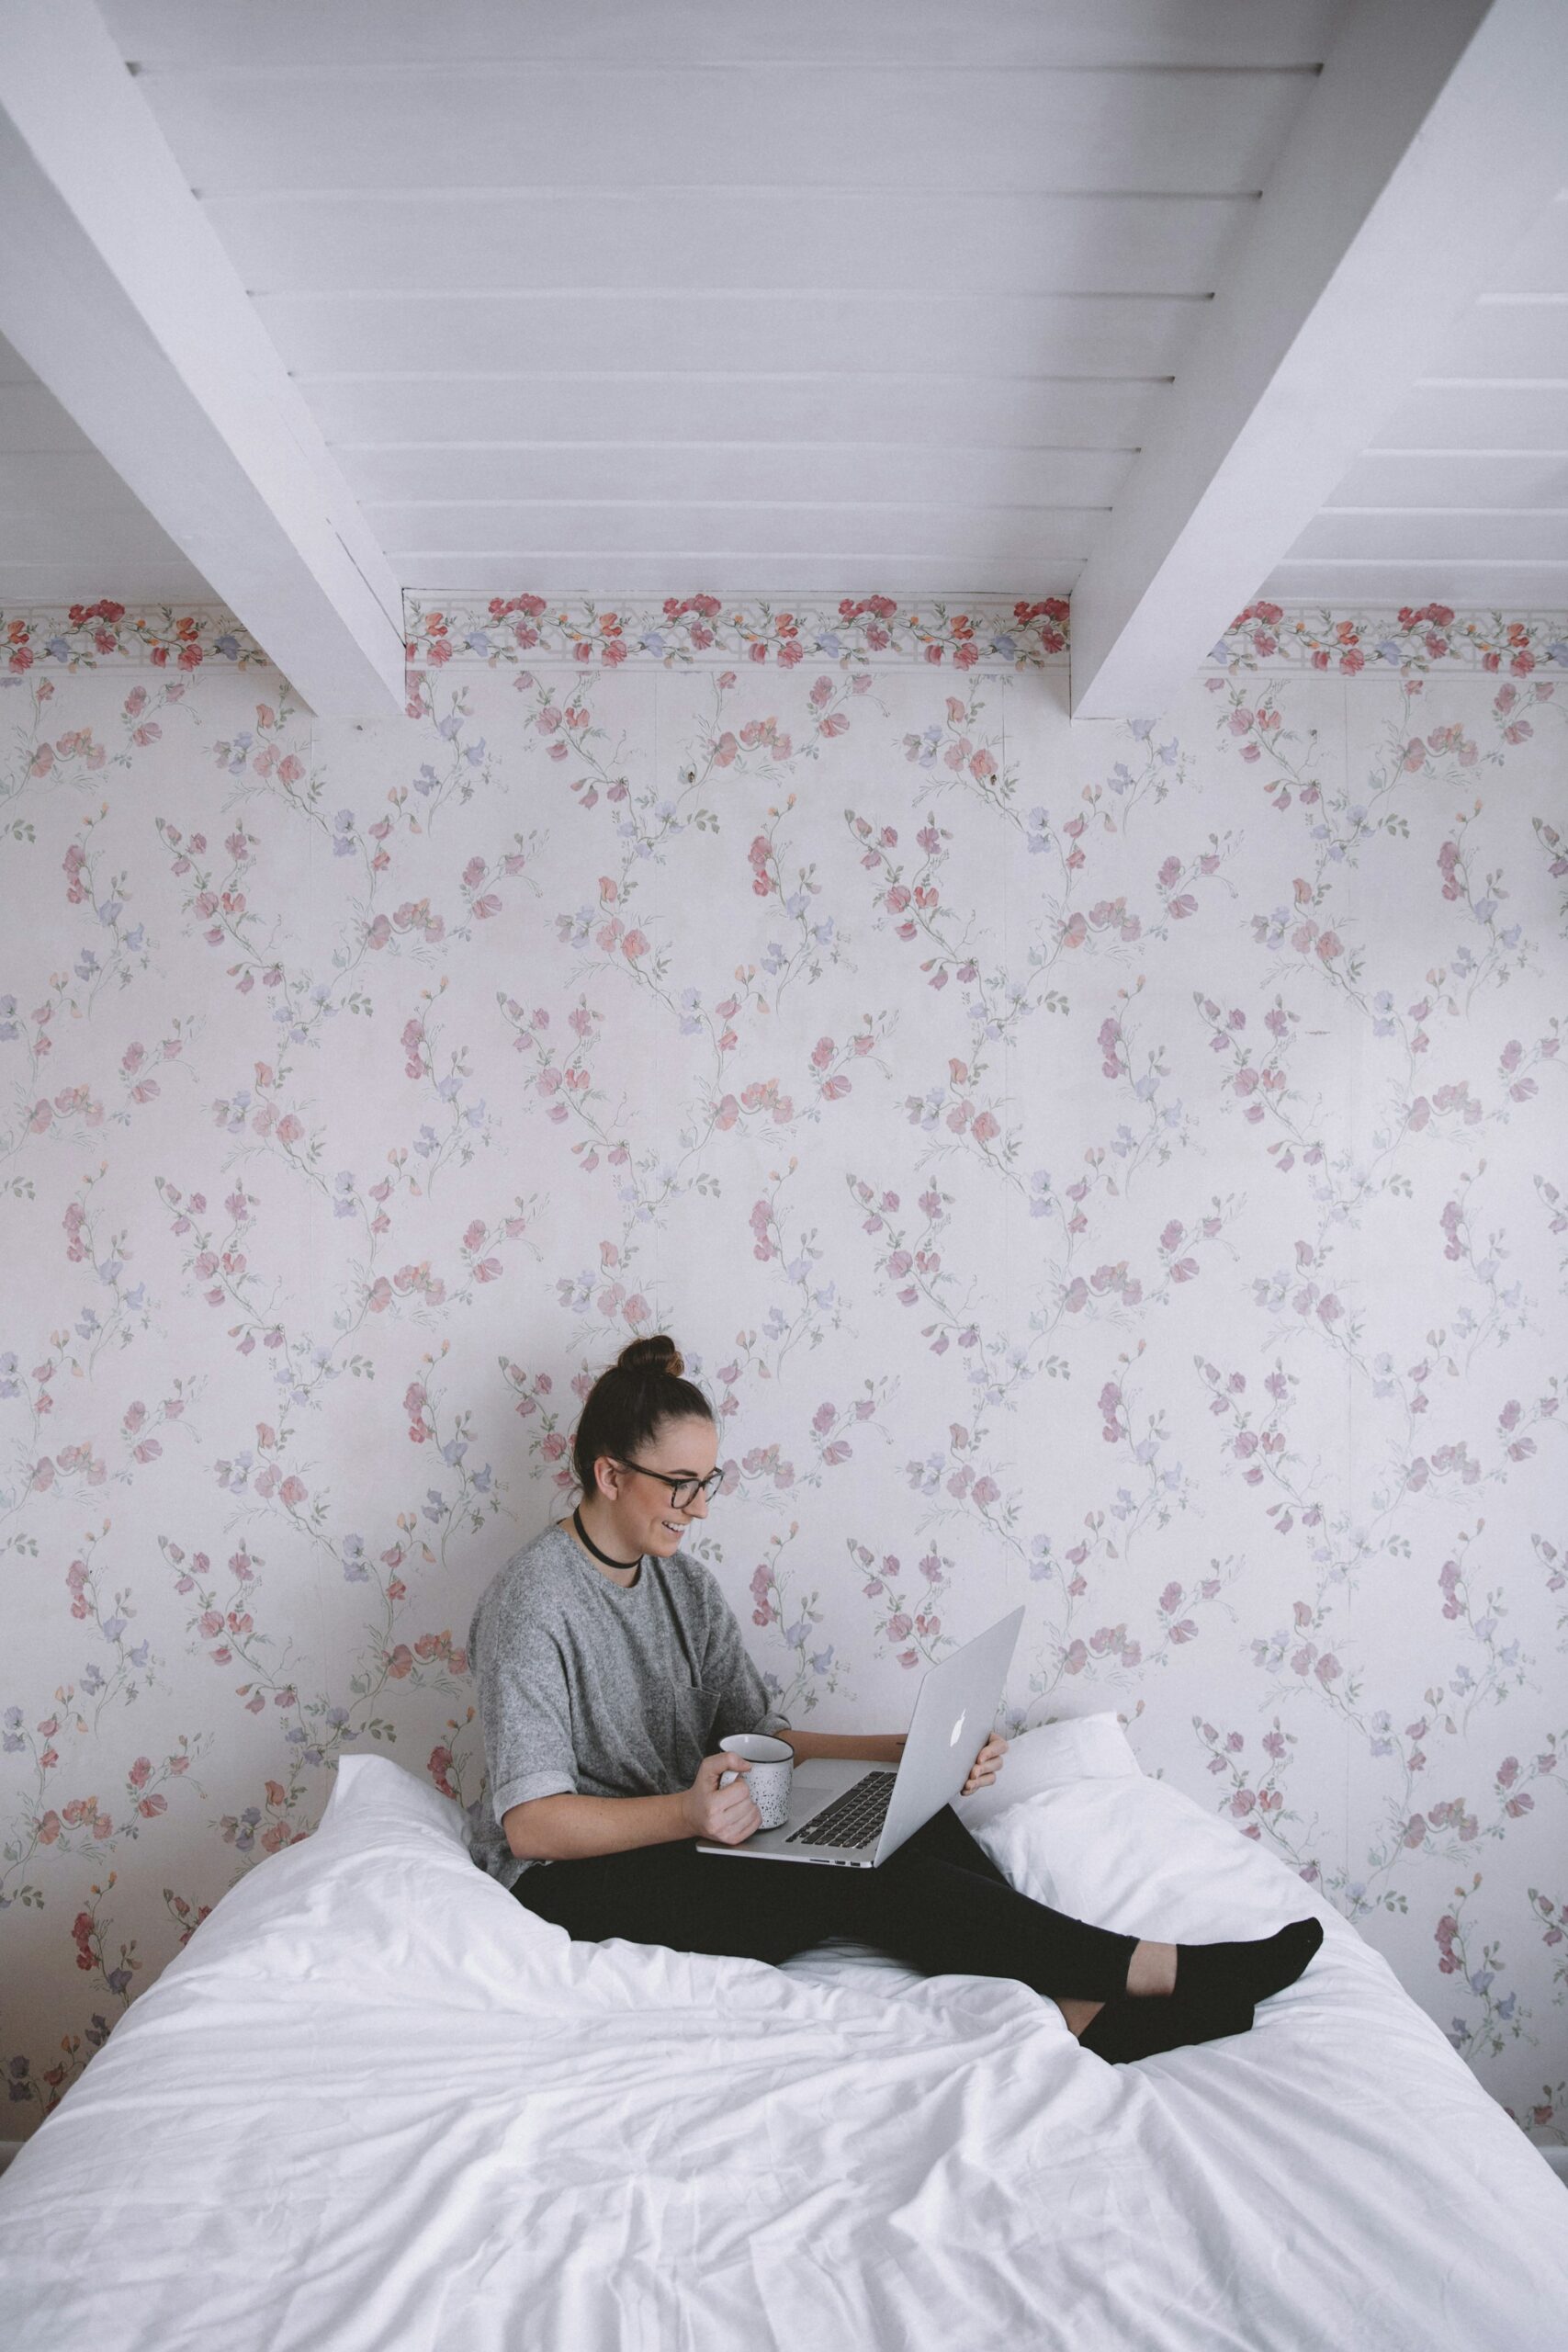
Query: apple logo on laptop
(953, 1735)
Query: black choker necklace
(576, 1522)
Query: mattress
(375, 2105)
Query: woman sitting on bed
(609, 1665)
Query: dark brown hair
(628, 1405)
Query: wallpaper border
(996, 632)
(87, 637)
(1406, 638)
(671, 632)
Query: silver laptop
(851, 1816)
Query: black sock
(1132, 2027)
(1250, 1970)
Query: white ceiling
(632, 296)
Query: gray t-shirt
(603, 1690)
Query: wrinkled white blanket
(375, 2105)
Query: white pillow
(1083, 1828)
(1081, 1748)
(1017, 1833)
(374, 1798)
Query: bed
(375, 2105)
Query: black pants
(940, 1904)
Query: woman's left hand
(986, 1765)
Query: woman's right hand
(726, 1815)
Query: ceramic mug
(772, 1761)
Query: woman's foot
(1209, 1990)
(1250, 1970)
(1254, 1970)
(1126, 2030)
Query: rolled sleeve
(524, 1791)
(525, 1713)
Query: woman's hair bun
(656, 1355)
(627, 1405)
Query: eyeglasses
(684, 1492)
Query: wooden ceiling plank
(1509, 338)
(1539, 262)
(949, 405)
(103, 543)
(829, 574)
(987, 544)
(923, 131)
(1495, 478)
(13, 368)
(133, 316)
(824, 474)
(159, 581)
(1484, 416)
(1452, 534)
(306, 240)
(32, 418)
(76, 480)
(1511, 587)
(1339, 299)
(866, 334)
(1173, 33)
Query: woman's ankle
(1152, 1969)
(1078, 2014)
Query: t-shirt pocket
(693, 1711)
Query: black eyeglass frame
(704, 1486)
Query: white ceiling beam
(116, 293)
(1438, 129)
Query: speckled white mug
(772, 1761)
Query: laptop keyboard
(853, 1819)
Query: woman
(609, 1665)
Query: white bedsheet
(375, 2105)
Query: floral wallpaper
(1116, 1167)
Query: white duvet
(375, 2105)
